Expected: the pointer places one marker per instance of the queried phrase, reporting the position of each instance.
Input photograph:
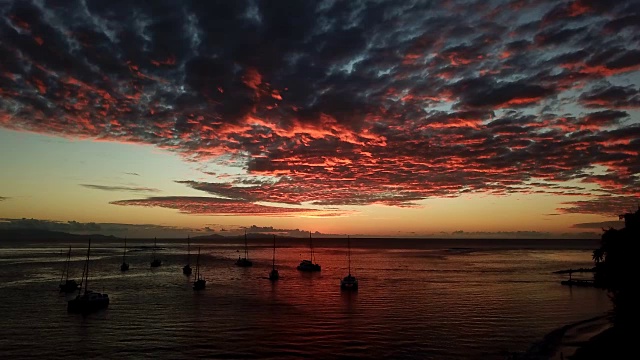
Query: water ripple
(471, 303)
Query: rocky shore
(569, 341)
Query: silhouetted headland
(615, 270)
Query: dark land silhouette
(616, 270)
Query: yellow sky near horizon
(45, 182)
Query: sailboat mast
(84, 271)
(155, 244)
(198, 265)
(311, 246)
(349, 245)
(67, 265)
(274, 252)
(65, 269)
(124, 253)
(86, 281)
(188, 249)
(246, 250)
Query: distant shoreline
(19, 234)
(450, 245)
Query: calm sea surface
(417, 299)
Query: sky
(512, 118)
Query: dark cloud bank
(345, 102)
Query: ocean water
(417, 299)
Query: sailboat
(125, 265)
(349, 282)
(308, 265)
(244, 262)
(274, 275)
(88, 301)
(68, 286)
(187, 268)
(200, 282)
(155, 262)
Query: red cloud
(601, 70)
(252, 78)
(216, 206)
(520, 101)
(610, 206)
(171, 60)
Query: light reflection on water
(412, 303)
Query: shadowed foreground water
(436, 302)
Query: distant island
(465, 245)
(49, 235)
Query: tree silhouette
(598, 255)
(616, 268)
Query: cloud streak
(120, 188)
(605, 205)
(340, 103)
(218, 206)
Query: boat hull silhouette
(69, 286)
(199, 284)
(187, 270)
(244, 262)
(274, 275)
(308, 266)
(349, 283)
(88, 302)
(156, 263)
